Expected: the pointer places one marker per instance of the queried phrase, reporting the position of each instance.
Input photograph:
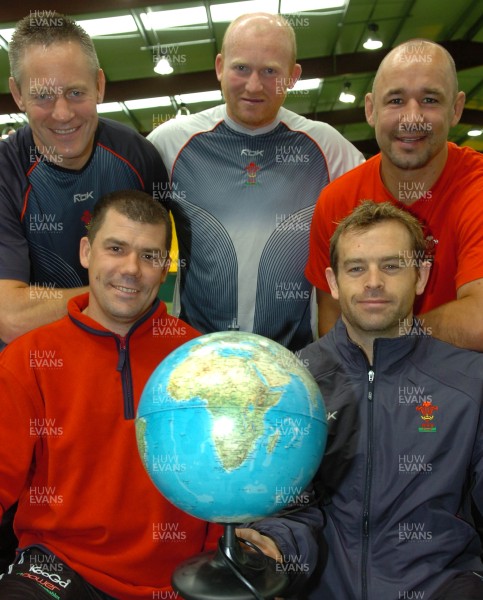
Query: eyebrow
(359, 261)
(427, 90)
(116, 242)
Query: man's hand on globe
(266, 544)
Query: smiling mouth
(65, 131)
(410, 139)
(125, 290)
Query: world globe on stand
(231, 427)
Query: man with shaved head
(245, 177)
(413, 104)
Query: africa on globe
(231, 427)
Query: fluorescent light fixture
(214, 96)
(345, 95)
(347, 98)
(109, 107)
(148, 103)
(4, 119)
(306, 84)
(373, 42)
(296, 6)
(475, 132)
(108, 26)
(225, 13)
(7, 34)
(165, 19)
(13, 118)
(163, 66)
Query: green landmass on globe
(216, 379)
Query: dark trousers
(8, 540)
(40, 575)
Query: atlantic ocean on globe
(231, 427)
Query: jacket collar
(77, 304)
(388, 352)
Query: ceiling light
(345, 95)
(373, 42)
(109, 107)
(214, 96)
(165, 19)
(225, 13)
(108, 25)
(163, 66)
(306, 84)
(13, 118)
(290, 7)
(7, 34)
(147, 103)
(475, 132)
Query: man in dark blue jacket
(53, 170)
(405, 445)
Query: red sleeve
(335, 202)
(321, 231)
(20, 402)
(470, 234)
(465, 182)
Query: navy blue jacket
(404, 458)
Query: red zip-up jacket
(69, 392)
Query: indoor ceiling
(329, 48)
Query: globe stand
(230, 573)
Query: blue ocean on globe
(231, 427)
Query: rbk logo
(83, 197)
(247, 152)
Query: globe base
(230, 573)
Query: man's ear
(219, 66)
(369, 108)
(423, 276)
(17, 96)
(295, 76)
(101, 86)
(458, 107)
(84, 252)
(332, 281)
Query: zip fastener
(367, 485)
(124, 368)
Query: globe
(231, 427)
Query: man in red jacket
(90, 523)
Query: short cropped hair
(135, 205)
(40, 30)
(370, 213)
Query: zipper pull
(122, 354)
(370, 375)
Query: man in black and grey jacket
(405, 414)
